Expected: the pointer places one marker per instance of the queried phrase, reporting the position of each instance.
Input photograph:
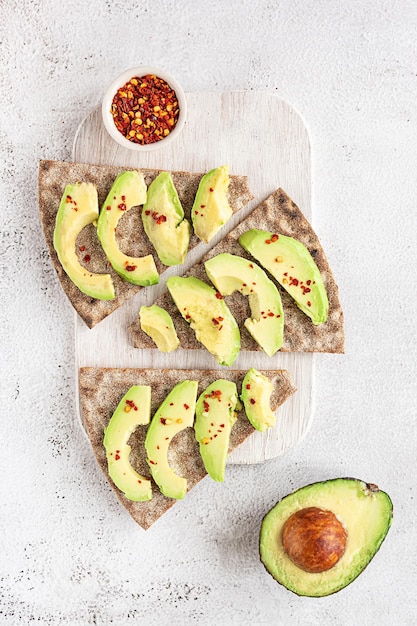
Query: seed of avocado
(211, 209)
(230, 273)
(164, 222)
(343, 520)
(77, 209)
(291, 264)
(127, 191)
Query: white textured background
(69, 554)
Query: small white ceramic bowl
(122, 80)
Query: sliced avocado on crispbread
(256, 397)
(291, 264)
(208, 315)
(127, 191)
(77, 209)
(133, 410)
(211, 208)
(230, 273)
(164, 222)
(158, 325)
(318, 539)
(174, 415)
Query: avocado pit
(314, 539)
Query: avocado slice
(157, 324)
(211, 209)
(174, 414)
(163, 221)
(127, 191)
(208, 315)
(332, 528)
(230, 273)
(291, 264)
(77, 209)
(134, 409)
(256, 397)
(215, 416)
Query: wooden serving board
(258, 135)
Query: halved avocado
(77, 209)
(127, 191)
(230, 273)
(208, 315)
(174, 414)
(134, 409)
(164, 222)
(158, 325)
(318, 539)
(256, 397)
(215, 416)
(211, 209)
(291, 264)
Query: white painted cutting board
(258, 135)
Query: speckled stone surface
(69, 553)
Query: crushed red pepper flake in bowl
(144, 108)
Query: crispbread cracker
(278, 214)
(131, 237)
(100, 391)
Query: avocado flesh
(291, 264)
(163, 221)
(231, 273)
(211, 209)
(256, 397)
(208, 315)
(364, 511)
(215, 416)
(158, 325)
(77, 209)
(127, 191)
(133, 410)
(174, 415)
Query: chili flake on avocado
(145, 109)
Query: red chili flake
(123, 198)
(196, 212)
(139, 481)
(250, 265)
(221, 425)
(68, 199)
(270, 314)
(187, 317)
(163, 420)
(117, 457)
(220, 327)
(161, 219)
(171, 404)
(267, 241)
(248, 386)
(211, 189)
(274, 238)
(219, 296)
(131, 268)
(122, 206)
(309, 303)
(186, 407)
(145, 109)
(153, 462)
(285, 274)
(108, 208)
(252, 401)
(308, 282)
(132, 404)
(82, 248)
(157, 447)
(147, 212)
(294, 281)
(244, 285)
(87, 258)
(206, 406)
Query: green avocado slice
(230, 273)
(174, 415)
(77, 209)
(215, 416)
(256, 397)
(291, 264)
(362, 509)
(134, 409)
(158, 325)
(211, 209)
(208, 315)
(127, 191)
(164, 222)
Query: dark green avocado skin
(364, 487)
